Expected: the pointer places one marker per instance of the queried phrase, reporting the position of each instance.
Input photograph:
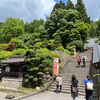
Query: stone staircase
(81, 72)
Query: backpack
(74, 89)
(89, 86)
(83, 58)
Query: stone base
(11, 82)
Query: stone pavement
(2, 96)
(49, 95)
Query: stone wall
(9, 82)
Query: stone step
(69, 88)
(69, 91)
(67, 84)
(71, 68)
(81, 92)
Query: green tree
(13, 27)
(33, 26)
(93, 30)
(37, 64)
(97, 23)
(82, 11)
(69, 5)
(60, 18)
(59, 5)
(17, 43)
(83, 30)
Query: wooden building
(96, 56)
(13, 66)
(12, 71)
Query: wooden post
(74, 52)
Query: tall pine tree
(82, 11)
(69, 5)
(59, 5)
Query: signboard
(7, 69)
(55, 67)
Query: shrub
(60, 48)
(5, 54)
(19, 52)
(78, 44)
(17, 43)
(3, 46)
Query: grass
(28, 90)
(16, 94)
(25, 91)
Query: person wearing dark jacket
(74, 86)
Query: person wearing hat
(58, 83)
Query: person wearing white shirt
(84, 58)
(58, 83)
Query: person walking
(88, 88)
(84, 58)
(79, 61)
(58, 83)
(74, 87)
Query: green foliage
(70, 47)
(19, 52)
(37, 64)
(97, 27)
(96, 75)
(82, 11)
(40, 73)
(83, 30)
(64, 27)
(30, 77)
(25, 37)
(40, 44)
(54, 54)
(3, 46)
(33, 26)
(77, 44)
(35, 79)
(67, 52)
(60, 48)
(26, 80)
(35, 68)
(59, 5)
(70, 5)
(63, 30)
(13, 27)
(5, 54)
(17, 43)
(48, 69)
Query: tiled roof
(15, 59)
(96, 53)
(90, 43)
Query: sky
(28, 10)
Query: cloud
(26, 10)
(92, 8)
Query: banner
(55, 66)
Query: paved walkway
(49, 95)
(2, 96)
